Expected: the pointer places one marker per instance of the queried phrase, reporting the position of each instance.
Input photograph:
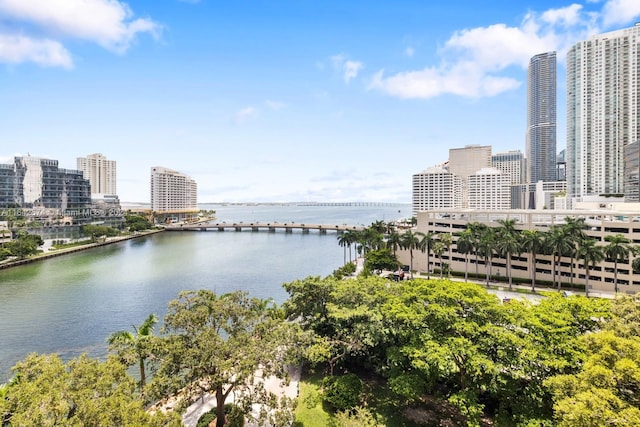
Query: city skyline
(286, 101)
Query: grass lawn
(311, 412)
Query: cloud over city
(475, 62)
(35, 30)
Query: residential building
(512, 164)
(603, 110)
(632, 172)
(40, 183)
(466, 161)
(436, 188)
(488, 188)
(173, 194)
(100, 172)
(37, 195)
(541, 118)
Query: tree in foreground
(225, 344)
(134, 348)
(84, 392)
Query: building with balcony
(603, 111)
(100, 172)
(436, 188)
(174, 195)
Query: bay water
(70, 304)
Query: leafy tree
(355, 417)
(381, 259)
(95, 231)
(448, 339)
(342, 392)
(606, 391)
(136, 222)
(83, 392)
(134, 347)
(24, 245)
(217, 344)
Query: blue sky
(278, 100)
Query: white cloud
(409, 51)
(478, 62)
(616, 12)
(275, 105)
(348, 68)
(15, 49)
(245, 114)
(109, 23)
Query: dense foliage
(22, 246)
(83, 392)
(95, 231)
(517, 363)
(136, 222)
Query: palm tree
(464, 245)
(618, 249)
(410, 241)
(426, 243)
(125, 340)
(508, 243)
(476, 229)
(350, 237)
(393, 241)
(558, 243)
(343, 242)
(438, 250)
(485, 246)
(590, 254)
(532, 242)
(574, 230)
(445, 239)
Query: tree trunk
(220, 415)
(533, 282)
(586, 280)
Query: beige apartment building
(602, 219)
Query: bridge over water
(288, 227)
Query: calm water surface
(70, 304)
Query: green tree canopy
(217, 343)
(84, 392)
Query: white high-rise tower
(100, 172)
(603, 110)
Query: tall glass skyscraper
(603, 110)
(541, 118)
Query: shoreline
(59, 252)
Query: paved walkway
(272, 384)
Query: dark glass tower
(541, 118)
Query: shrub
(233, 415)
(342, 392)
